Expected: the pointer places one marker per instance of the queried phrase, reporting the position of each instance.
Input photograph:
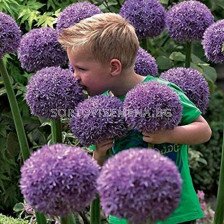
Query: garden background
(29, 14)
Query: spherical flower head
(145, 64)
(139, 185)
(192, 83)
(75, 13)
(213, 42)
(152, 107)
(39, 48)
(59, 179)
(10, 35)
(147, 16)
(188, 20)
(53, 92)
(97, 119)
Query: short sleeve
(190, 112)
(92, 148)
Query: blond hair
(106, 35)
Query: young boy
(102, 50)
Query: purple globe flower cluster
(59, 179)
(187, 20)
(10, 35)
(147, 16)
(98, 118)
(75, 13)
(145, 64)
(212, 42)
(192, 83)
(53, 89)
(139, 185)
(156, 106)
(39, 48)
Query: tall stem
(219, 211)
(24, 147)
(188, 55)
(56, 131)
(144, 44)
(69, 219)
(95, 211)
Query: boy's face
(94, 76)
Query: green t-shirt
(189, 206)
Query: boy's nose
(77, 76)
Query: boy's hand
(158, 137)
(100, 154)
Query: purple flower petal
(147, 16)
(53, 92)
(145, 64)
(40, 48)
(75, 13)
(139, 184)
(151, 107)
(192, 83)
(187, 20)
(59, 179)
(212, 42)
(98, 118)
(10, 35)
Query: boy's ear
(115, 67)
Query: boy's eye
(80, 69)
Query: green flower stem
(150, 145)
(40, 218)
(219, 211)
(69, 219)
(56, 131)
(24, 147)
(144, 44)
(188, 55)
(95, 211)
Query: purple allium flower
(10, 35)
(187, 20)
(53, 92)
(213, 42)
(75, 13)
(151, 107)
(39, 48)
(147, 16)
(97, 119)
(59, 179)
(145, 64)
(139, 184)
(192, 82)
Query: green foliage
(205, 169)
(9, 220)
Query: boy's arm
(196, 132)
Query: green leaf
(12, 144)
(177, 56)
(208, 72)
(164, 63)
(33, 17)
(18, 207)
(46, 20)
(195, 59)
(2, 91)
(164, 2)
